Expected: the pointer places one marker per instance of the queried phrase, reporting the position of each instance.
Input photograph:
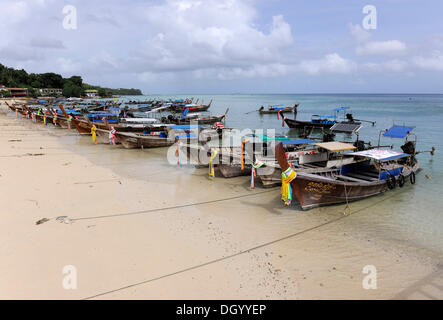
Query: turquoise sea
(414, 215)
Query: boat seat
(361, 176)
(351, 179)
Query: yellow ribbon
(94, 136)
(211, 165)
(286, 178)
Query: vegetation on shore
(71, 87)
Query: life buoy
(390, 181)
(401, 180)
(412, 177)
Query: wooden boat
(374, 172)
(184, 119)
(131, 140)
(317, 121)
(191, 108)
(323, 121)
(84, 125)
(276, 109)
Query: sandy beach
(140, 228)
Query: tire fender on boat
(412, 177)
(401, 180)
(390, 181)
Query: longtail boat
(373, 172)
(187, 119)
(191, 107)
(131, 140)
(323, 121)
(277, 109)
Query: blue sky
(231, 46)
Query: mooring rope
(240, 252)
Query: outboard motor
(408, 147)
(360, 145)
(350, 117)
(328, 137)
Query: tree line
(71, 87)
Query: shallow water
(410, 216)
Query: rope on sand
(237, 253)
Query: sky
(230, 46)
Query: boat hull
(313, 190)
(134, 141)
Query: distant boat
(277, 109)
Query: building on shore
(18, 92)
(51, 92)
(91, 93)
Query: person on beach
(295, 111)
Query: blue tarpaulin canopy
(298, 141)
(398, 131)
(341, 108)
(181, 136)
(324, 116)
(185, 127)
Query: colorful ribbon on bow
(255, 166)
(44, 119)
(286, 178)
(177, 153)
(211, 164)
(69, 121)
(112, 136)
(94, 135)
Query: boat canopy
(341, 109)
(380, 154)
(324, 115)
(398, 131)
(185, 127)
(298, 141)
(335, 146)
(346, 127)
(265, 137)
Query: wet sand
(143, 229)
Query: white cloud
(394, 65)
(44, 42)
(381, 48)
(222, 35)
(358, 33)
(432, 63)
(331, 63)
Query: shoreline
(131, 241)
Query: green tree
(70, 89)
(5, 93)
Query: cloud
(331, 63)
(224, 35)
(381, 48)
(20, 54)
(47, 43)
(394, 65)
(358, 33)
(432, 63)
